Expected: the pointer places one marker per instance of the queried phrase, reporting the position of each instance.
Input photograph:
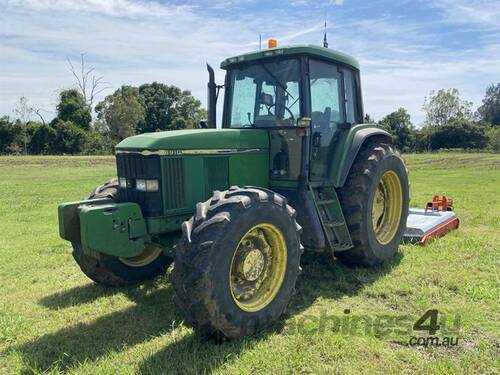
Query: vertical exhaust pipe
(211, 98)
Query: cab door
(327, 114)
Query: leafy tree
(489, 111)
(445, 106)
(494, 138)
(6, 134)
(168, 108)
(459, 134)
(41, 138)
(95, 144)
(12, 136)
(121, 111)
(72, 107)
(69, 138)
(399, 124)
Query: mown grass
(53, 319)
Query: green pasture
(53, 319)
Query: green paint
(341, 151)
(249, 169)
(193, 139)
(69, 219)
(325, 53)
(116, 229)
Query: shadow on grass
(91, 292)
(155, 314)
(77, 296)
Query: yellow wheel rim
(258, 267)
(149, 255)
(387, 207)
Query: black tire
(203, 260)
(375, 158)
(110, 270)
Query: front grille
(174, 180)
(134, 166)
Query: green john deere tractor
(293, 167)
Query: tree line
(129, 110)
(450, 123)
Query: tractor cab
(289, 92)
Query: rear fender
(347, 147)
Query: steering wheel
(286, 109)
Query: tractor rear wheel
(115, 271)
(237, 262)
(375, 204)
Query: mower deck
(423, 224)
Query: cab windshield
(265, 94)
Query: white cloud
(136, 41)
(480, 12)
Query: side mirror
(203, 124)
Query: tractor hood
(224, 140)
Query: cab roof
(304, 49)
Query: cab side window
(327, 112)
(326, 104)
(350, 96)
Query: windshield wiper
(276, 79)
(250, 119)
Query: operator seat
(321, 123)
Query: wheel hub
(252, 265)
(258, 267)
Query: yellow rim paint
(148, 255)
(387, 207)
(258, 267)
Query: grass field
(53, 319)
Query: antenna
(325, 41)
(260, 41)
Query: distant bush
(41, 138)
(96, 144)
(494, 139)
(461, 134)
(69, 138)
(11, 136)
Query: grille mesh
(174, 180)
(133, 166)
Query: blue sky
(405, 48)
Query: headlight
(147, 185)
(123, 182)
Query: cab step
(331, 217)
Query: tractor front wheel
(237, 262)
(115, 271)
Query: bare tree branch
(88, 83)
(37, 111)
